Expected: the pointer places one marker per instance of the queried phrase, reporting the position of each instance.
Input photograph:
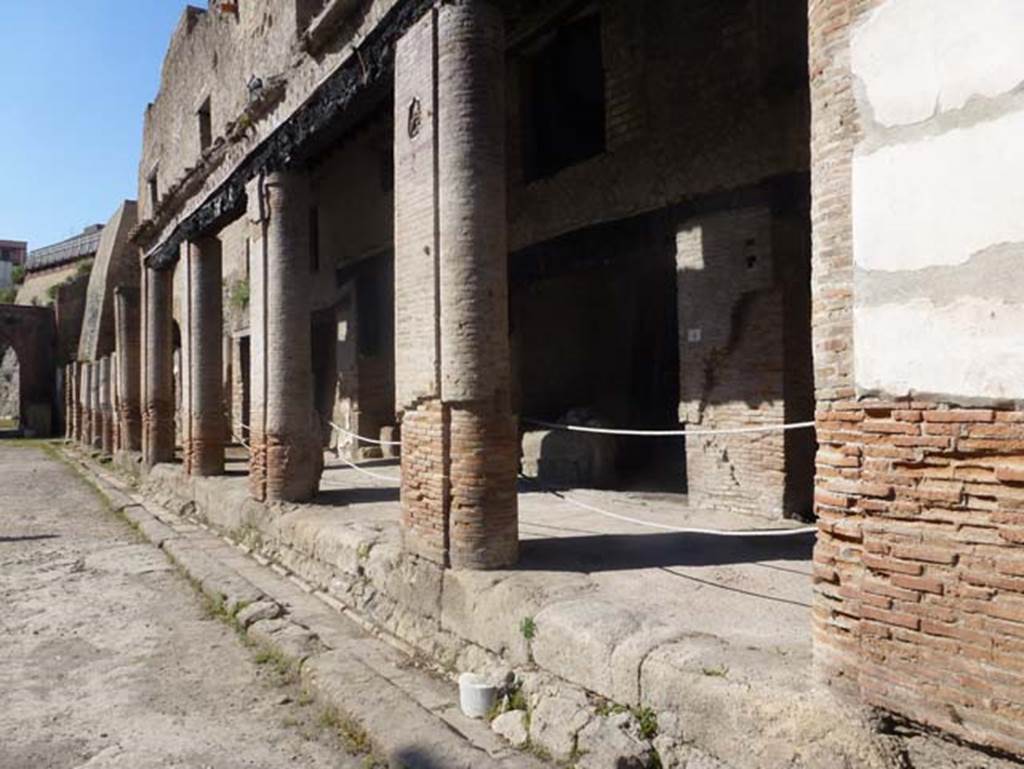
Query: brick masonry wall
(69, 308)
(424, 491)
(919, 565)
(731, 361)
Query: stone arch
(31, 333)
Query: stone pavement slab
(109, 660)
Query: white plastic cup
(477, 695)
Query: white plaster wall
(932, 314)
(919, 57)
(972, 348)
(938, 200)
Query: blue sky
(75, 78)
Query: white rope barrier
(688, 529)
(363, 438)
(664, 433)
(240, 439)
(370, 473)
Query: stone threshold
(584, 658)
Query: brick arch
(31, 333)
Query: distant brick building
(12, 254)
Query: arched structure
(31, 332)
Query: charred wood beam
(345, 98)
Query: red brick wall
(919, 566)
(424, 480)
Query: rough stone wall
(919, 567)
(214, 56)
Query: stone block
(513, 727)
(567, 459)
(557, 719)
(596, 644)
(487, 608)
(604, 743)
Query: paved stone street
(109, 658)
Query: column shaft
(459, 454)
(67, 400)
(204, 453)
(158, 413)
(73, 414)
(287, 457)
(106, 407)
(129, 366)
(95, 406)
(85, 401)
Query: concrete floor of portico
(749, 591)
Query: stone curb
(360, 678)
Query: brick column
(85, 405)
(158, 408)
(286, 458)
(66, 399)
(74, 409)
(115, 401)
(106, 407)
(204, 450)
(127, 321)
(96, 405)
(459, 455)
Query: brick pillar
(158, 408)
(84, 405)
(204, 449)
(96, 405)
(66, 399)
(74, 409)
(459, 454)
(286, 458)
(115, 401)
(127, 326)
(106, 407)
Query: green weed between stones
(352, 735)
(717, 672)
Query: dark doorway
(595, 341)
(245, 379)
(324, 351)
